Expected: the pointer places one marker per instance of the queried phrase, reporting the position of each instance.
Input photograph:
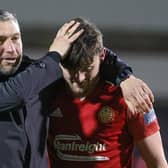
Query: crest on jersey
(106, 115)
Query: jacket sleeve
(18, 89)
(113, 69)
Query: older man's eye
(15, 38)
(2, 39)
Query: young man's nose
(81, 76)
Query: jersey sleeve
(143, 125)
(113, 69)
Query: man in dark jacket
(23, 100)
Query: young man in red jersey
(91, 126)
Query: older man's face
(10, 47)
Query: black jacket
(24, 108)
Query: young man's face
(81, 82)
(10, 47)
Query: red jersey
(96, 132)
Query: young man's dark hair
(89, 44)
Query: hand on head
(66, 35)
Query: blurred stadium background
(136, 30)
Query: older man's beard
(13, 69)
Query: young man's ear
(103, 54)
